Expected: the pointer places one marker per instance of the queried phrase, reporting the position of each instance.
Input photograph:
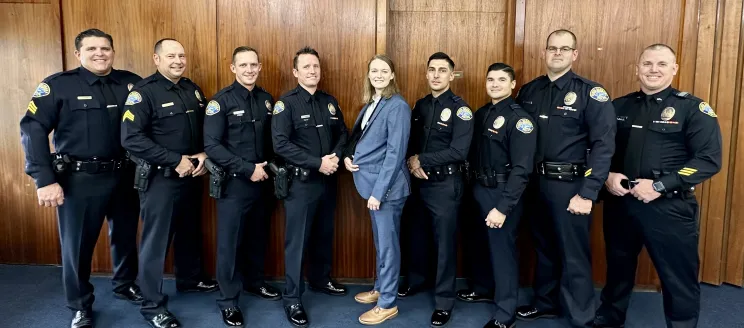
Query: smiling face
(171, 59)
(499, 85)
(307, 71)
(96, 55)
(246, 68)
(656, 69)
(380, 74)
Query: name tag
(334, 118)
(167, 104)
(190, 111)
(544, 116)
(304, 117)
(239, 113)
(111, 106)
(493, 131)
(84, 97)
(637, 126)
(528, 102)
(319, 126)
(442, 124)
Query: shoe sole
(544, 316)
(323, 291)
(122, 297)
(364, 302)
(395, 314)
(278, 297)
(475, 301)
(299, 326)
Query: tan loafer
(377, 315)
(367, 297)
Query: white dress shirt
(370, 110)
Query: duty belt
(561, 171)
(490, 178)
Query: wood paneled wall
(37, 40)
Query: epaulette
(145, 81)
(585, 80)
(687, 95)
(58, 74)
(456, 98)
(515, 106)
(223, 91)
(290, 92)
(634, 94)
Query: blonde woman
(376, 158)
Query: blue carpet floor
(31, 296)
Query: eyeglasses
(553, 50)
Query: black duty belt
(448, 169)
(99, 166)
(490, 178)
(561, 171)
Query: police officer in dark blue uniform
(162, 129)
(89, 177)
(309, 134)
(576, 139)
(237, 137)
(667, 142)
(501, 159)
(441, 132)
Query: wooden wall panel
(345, 41)
(31, 49)
(135, 27)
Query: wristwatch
(659, 187)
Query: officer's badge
(499, 122)
(198, 96)
(42, 90)
(268, 105)
(599, 94)
(570, 98)
(705, 108)
(32, 107)
(130, 86)
(213, 108)
(464, 113)
(134, 97)
(445, 115)
(127, 116)
(278, 107)
(331, 109)
(525, 126)
(667, 114)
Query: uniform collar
(91, 78)
(243, 91)
(306, 96)
(659, 96)
(444, 96)
(164, 81)
(562, 81)
(505, 103)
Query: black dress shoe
(296, 315)
(529, 313)
(497, 324)
(470, 296)
(232, 317)
(133, 294)
(440, 318)
(601, 321)
(82, 319)
(330, 288)
(206, 285)
(265, 291)
(164, 320)
(406, 290)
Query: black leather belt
(99, 166)
(490, 178)
(561, 171)
(448, 169)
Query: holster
(60, 163)
(281, 181)
(143, 172)
(217, 177)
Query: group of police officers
(554, 148)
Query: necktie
(325, 140)
(429, 123)
(634, 149)
(186, 99)
(256, 116)
(110, 104)
(543, 134)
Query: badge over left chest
(666, 116)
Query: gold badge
(130, 86)
(570, 98)
(198, 96)
(331, 109)
(445, 115)
(667, 114)
(499, 122)
(268, 105)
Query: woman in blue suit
(376, 158)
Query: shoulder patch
(278, 107)
(707, 110)
(134, 97)
(525, 126)
(599, 94)
(464, 113)
(213, 108)
(42, 90)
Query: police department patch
(570, 98)
(667, 114)
(445, 115)
(133, 98)
(331, 109)
(213, 108)
(599, 94)
(525, 126)
(278, 107)
(198, 96)
(498, 122)
(42, 90)
(464, 113)
(707, 110)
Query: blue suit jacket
(381, 151)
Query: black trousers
(668, 227)
(88, 199)
(242, 222)
(309, 208)
(502, 251)
(563, 273)
(437, 204)
(171, 208)
(476, 256)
